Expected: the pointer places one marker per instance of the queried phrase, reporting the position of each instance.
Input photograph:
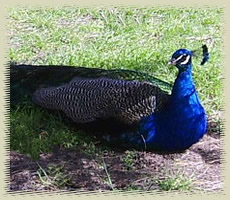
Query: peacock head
(182, 59)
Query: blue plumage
(182, 123)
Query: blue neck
(183, 85)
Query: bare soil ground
(74, 170)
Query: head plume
(202, 53)
(183, 57)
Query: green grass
(54, 176)
(179, 182)
(129, 38)
(129, 159)
(34, 131)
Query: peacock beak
(172, 62)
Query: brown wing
(87, 100)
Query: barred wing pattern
(86, 100)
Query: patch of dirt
(201, 164)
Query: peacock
(142, 111)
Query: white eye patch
(179, 58)
(186, 60)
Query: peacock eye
(185, 59)
(185, 56)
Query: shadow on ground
(78, 171)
